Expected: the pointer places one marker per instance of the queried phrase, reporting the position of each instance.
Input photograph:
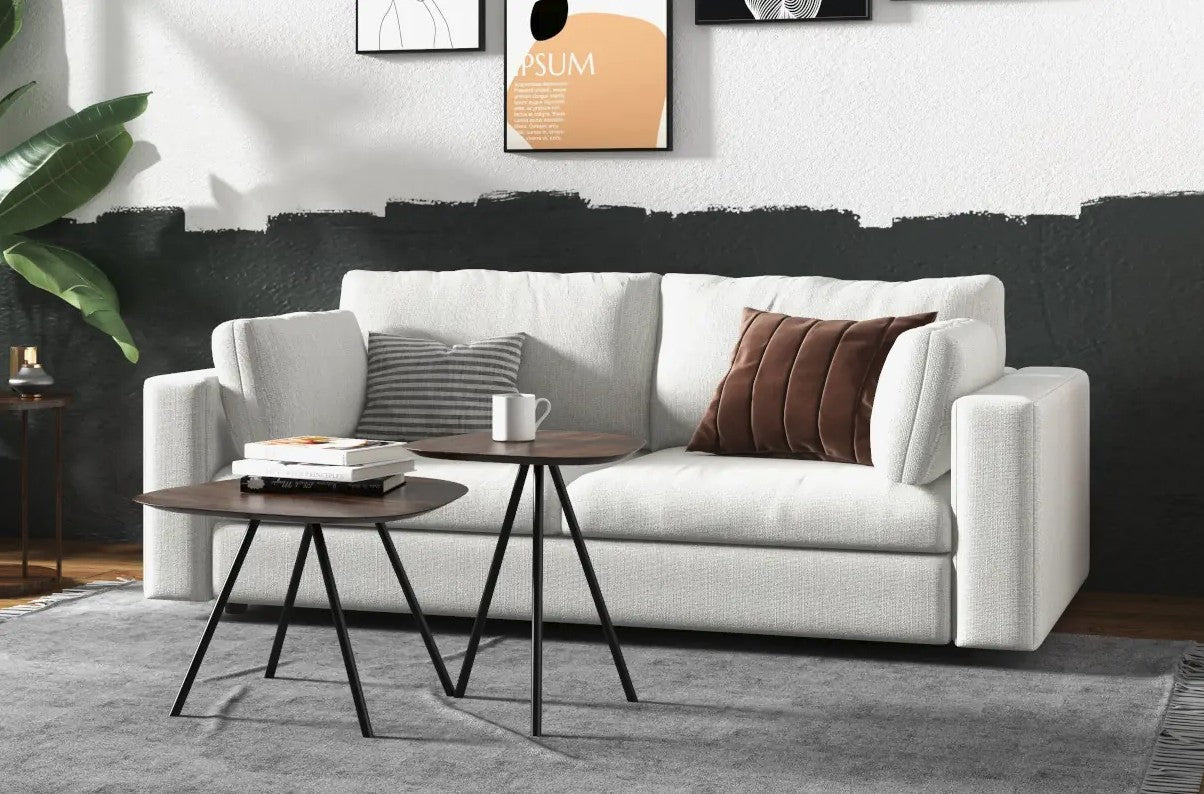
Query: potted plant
(52, 174)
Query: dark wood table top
(11, 401)
(551, 448)
(224, 499)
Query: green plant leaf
(13, 97)
(25, 158)
(73, 278)
(65, 182)
(11, 14)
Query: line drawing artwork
(391, 20)
(384, 20)
(783, 9)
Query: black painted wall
(1118, 291)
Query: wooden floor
(1112, 614)
(82, 562)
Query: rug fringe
(1177, 763)
(54, 599)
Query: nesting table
(224, 499)
(549, 450)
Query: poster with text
(588, 75)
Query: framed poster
(711, 12)
(588, 75)
(419, 25)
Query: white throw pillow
(926, 370)
(290, 375)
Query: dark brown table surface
(418, 495)
(11, 401)
(551, 448)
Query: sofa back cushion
(290, 375)
(925, 372)
(700, 323)
(591, 337)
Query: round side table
(50, 401)
(550, 450)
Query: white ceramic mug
(514, 416)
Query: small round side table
(58, 402)
(550, 450)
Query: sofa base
(799, 592)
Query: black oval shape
(548, 18)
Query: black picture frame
(668, 147)
(480, 37)
(699, 19)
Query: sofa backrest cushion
(700, 323)
(591, 337)
(294, 374)
(925, 372)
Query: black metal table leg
(537, 607)
(495, 568)
(415, 609)
(340, 627)
(595, 590)
(290, 597)
(214, 617)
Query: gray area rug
(86, 687)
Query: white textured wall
(1015, 106)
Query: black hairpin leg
(290, 597)
(537, 607)
(214, 617)
(495, 568)
(415, 609)
(595, 590)
(340, 627)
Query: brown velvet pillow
(800, 387)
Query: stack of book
(324, 465)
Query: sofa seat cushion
(677, 496)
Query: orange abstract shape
(601, 83)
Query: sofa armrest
(185, 440)
(1020, 497)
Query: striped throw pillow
(419, 388)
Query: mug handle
(547, 410)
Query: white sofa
(971, 527)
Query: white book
(314, 471)
(327, 450)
